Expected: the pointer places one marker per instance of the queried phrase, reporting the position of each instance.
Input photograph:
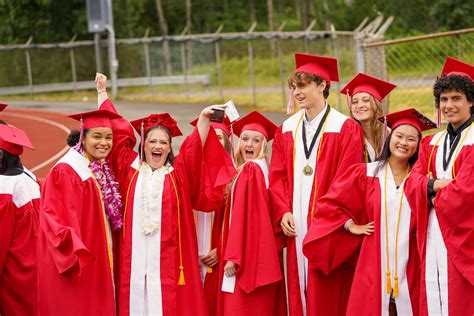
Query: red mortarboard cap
(323, 67)
(2, 106)
(96, 118)
(364, 83)
(255, 121)
(13, 139)
(456, 67)
(411, 117)
(163, 119)
(224, 126)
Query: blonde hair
(239, 160)
(376, 127)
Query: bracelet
(101, 91)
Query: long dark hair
(386, 153)
(170, 158)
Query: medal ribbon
(307, 152)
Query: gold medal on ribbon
(307, 170)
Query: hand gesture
(288, 224)
(230, 269)
(210, 259)
(366, 229)
(101, 82)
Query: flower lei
(149, 227)
(110, 192)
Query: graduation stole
(453, 169)
(317, 156)
(393, 291)
(181, 280)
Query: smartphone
(217, 116)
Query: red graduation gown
(75, 267)
(357, 194)
(453, 206)
(19, 204)
(249, 242)
(342, 146)
(200, 176)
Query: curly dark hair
(303, 78)
(457, 83)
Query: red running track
(47, 131)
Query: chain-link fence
(252, 67)
(414, 63)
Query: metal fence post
(335, 48)
(251, 65)
(99, 65)
(146, 51)
(73, 65)
(281, 66)
(218, 63)
(360, 59)
(184, 63)
(28, 67)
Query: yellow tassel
(395, 288)
(389, 283)
(209, 270)
(181, 276)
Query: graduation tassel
(142, 133)
(181, 276)
(395, 287)
(348, 98)
(291, 102)
(389, 283)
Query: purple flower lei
(110, 192)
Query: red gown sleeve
(251, 242)
(205, 171)
(327, 244)
(280, 196)
(454, 209)
(61, 207)
(123, 153)
(7, 225)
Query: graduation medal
(307, 170)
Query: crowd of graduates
(355, 215)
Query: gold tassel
(209, 269)
(395, 288)
(389, 283)
(181, 276)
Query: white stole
(403, 300)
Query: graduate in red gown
(364, 99)
(309, 150)
(19, 204)
(80, 209)
(379, 201)
(446, 230)
(249, 268)
(208, 225)
(158, 262)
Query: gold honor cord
(126, 200)
(181, 280)
(393, 291)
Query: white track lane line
(45, 121)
